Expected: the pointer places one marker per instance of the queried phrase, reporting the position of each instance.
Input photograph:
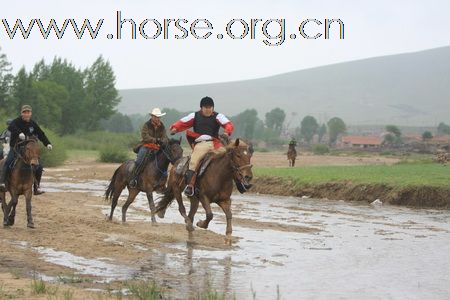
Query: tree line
(64, 98)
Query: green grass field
(403, 174)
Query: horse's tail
(110, 190)
(167, 198)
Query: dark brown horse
(291, 155)
(214, 186)
(21, 180)
(152, 176)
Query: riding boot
(134, 176)
(138, 166)
(190, 178)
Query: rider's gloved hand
(22, 136)
(49, 147)
(173, 131)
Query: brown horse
(21, 180)
(291, 155)
(214, 186)
(153, 174)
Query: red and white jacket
(190, 121)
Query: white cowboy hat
(157, 112)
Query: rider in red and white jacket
(204, 137)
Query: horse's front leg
(209, 215)
(193, 209)
(182, 210)
(10, 210)
(30, 223)
(226, 207)
(151, 204)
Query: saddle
(183, 166)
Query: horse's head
(30, 151)
(240, 160)
(172, 149)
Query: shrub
(321, 149)
(99, 139)
(113, 155)
(57, 156)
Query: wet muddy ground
(283, 247)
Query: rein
(167, 155)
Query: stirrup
(187, 192)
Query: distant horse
(20, 181)
(291, 155)
(214, 186)
(154, 172)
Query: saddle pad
(182, 165)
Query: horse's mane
(219, 155)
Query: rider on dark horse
(153, 133)
(205, 136)
(21, 128)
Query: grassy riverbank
(409, 184)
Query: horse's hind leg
(30, 223)
(209, 215)
(132, 193)
(226, 207)
(151, 204)
(114, 201)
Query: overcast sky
(372, 28)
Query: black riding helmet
(206, 101)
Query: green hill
(411, 89)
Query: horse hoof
(189, 227)
(201, 224)
(228, 241)
(30, 225)
(161, 214)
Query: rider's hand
(226, 134)
(49, 147)
(22, 136)
(173, 131)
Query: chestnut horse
(214, 186)
(20, 181)
(154, 172)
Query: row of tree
(247, 125)
(64, 98)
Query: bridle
(237, 173)
(18, 152)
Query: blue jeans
(141, 155)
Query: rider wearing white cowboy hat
(152, 133)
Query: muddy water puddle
(346, 250)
